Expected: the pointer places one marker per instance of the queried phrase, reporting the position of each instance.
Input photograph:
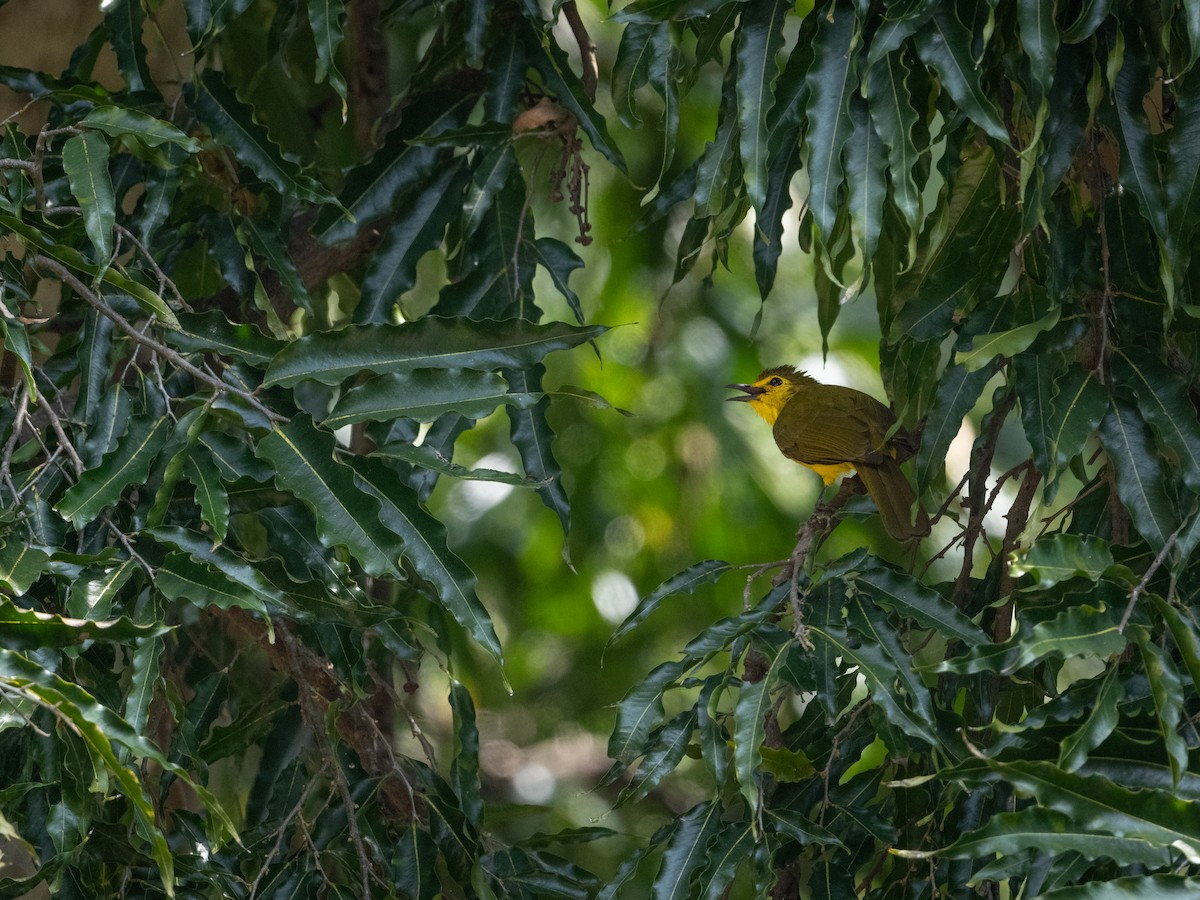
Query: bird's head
(770, 392)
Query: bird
(837, 431)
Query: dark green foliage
(250, 309)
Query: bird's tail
(895, 500)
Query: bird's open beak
(750, 391)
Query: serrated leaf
(235, 568)
(423, 542)
(304, 464)
(1166, 689)
(986, 347)
(20, 565)
(428, 343)
(464, 770)
(890, 103)
(560, 261)
(755, 48)
(122, 122)
(649, 12)
(1077, 408)
(129, 463)
(1050, 832)
(232, 123)
(903, 594)
(85, 158)
(945, 46)
(1081, 629)
(1057, 557)
(831, 81)
(685, 582)
(1099, 806)
(866, 188)
(750, 722)
(326, 19)
(879, 672)
(530, 432)
(28, 629)
(92, 595)
(211, 332)
(124, 19)
(424, 395)
(393, 266)
(1141, 478)
(799, 828)
(201, 470)
(1163, 400)
(428, 457)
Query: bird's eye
(775, 382)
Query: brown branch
(981, 466)
(1141, 585)
(67, 277)
(1018, 517)
(587, 49)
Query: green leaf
(714, 745)
(21, 565)
(124, 19)
(28, 629)
(129, 463)
(98, 728)
(560, 261)
(530, 432)
(1048, 831)
(957, 393)
(16, 342)
(428, 457)
(232, 123)
(92, 594)
(1131, 887)
(756, 50)
(1057, 557)
(264, 241)
(1080, 630)
(428, 343)
(945, 46)
(423, 542)
(669, 745)
(237, 569)
(393, 266)
(726, 852)
(1039, 39)
(1166, 689)
(325, 17)
(686, 851)
(907, 596)
(1078, 406)
(201, 470)
(1102, 719)
(1035, 378)
(211, 332)
(303, 461)
(986, 347)
(1183, 633)
(1141, 478)
(464, 770)
(685, 582)
(73, 259)
(1181, 184)
(750, 722)
(797, 827)
(650, 12)
(641, 711)
(85, 158)
(122, 122)
(1163, 400)
(831, 81)
(866, 187)
(879, 672)
(1097, 805)
(889, 98)
(424, 395)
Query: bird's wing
(848, 429)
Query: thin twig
(279, 832)
(11, 444)
(61, 434)
(64, 274)
(1141, 585)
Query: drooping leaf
(424, 395)
(686, 851)
(1141, 479)
(945, 45)
(1057, 557)
(325, 17)
(831, 81)
(957, 394)
(122, 122)
(756, 47)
